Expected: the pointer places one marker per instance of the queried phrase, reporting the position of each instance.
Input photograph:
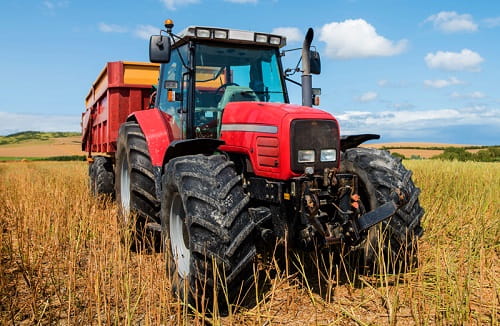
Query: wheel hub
(179, 236)
(125, 190)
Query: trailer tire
(135, 186)
(101, 175)
(390, 245)
(206, 226)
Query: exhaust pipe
(306, 69)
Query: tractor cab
(205, 68)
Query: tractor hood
(265, 133)
(268, 113)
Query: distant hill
(31, 144)
(35, 144)
(24, 136)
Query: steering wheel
(224, 86)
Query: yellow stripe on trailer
(140, 73)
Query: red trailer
(121, 88)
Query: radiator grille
(315, 135)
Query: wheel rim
(179, 237)
(125, 189)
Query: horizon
(420, 72)
(368, 142)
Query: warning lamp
(169, 24)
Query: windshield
(227, 74)
(256, 70)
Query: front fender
(191, 147)
(352, 141)
(160, 131)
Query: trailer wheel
(135, 183)
(390, 245)
(206, 230)
(101, 176)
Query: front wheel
(135, 183)
(390, 245)
(206, 230)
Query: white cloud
(173, 4)
(367, 97)
(16, 122)
(451, 22)
(454, 61)
(474, 95)
(145, 31)
(416, 123)
(355, 38)
(402, 106)
(392, 84)
(242, 1)
(293, 34)
(383, 82)
(53, 6)
(112, 28)
(492, 22)
(49, 4)
(440, 83)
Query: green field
(25, 136)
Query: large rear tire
(135, 183)
(101, 176)
(206, 230)
(391, 245)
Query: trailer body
(121, 88)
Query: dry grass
(419, 149)
(416, 144)
(37, 148)
(63, 261)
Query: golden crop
(63, 260)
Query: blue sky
(409, 70)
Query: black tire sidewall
(384, 233)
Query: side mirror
(315, 62)
(159, 49)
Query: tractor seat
(237, 94)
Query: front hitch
(377, 215)
(350, 222)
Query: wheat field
(63, 261)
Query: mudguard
(160, 131)
(352, 141)
(191, 147)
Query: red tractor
(221, 164)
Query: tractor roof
(231, 36)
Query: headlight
(202, 33)
(328, 155)
(306, 156)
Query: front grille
(315, 135)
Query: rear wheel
(135, 182)
(101, 176)
(206, 230)
(390, 245)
